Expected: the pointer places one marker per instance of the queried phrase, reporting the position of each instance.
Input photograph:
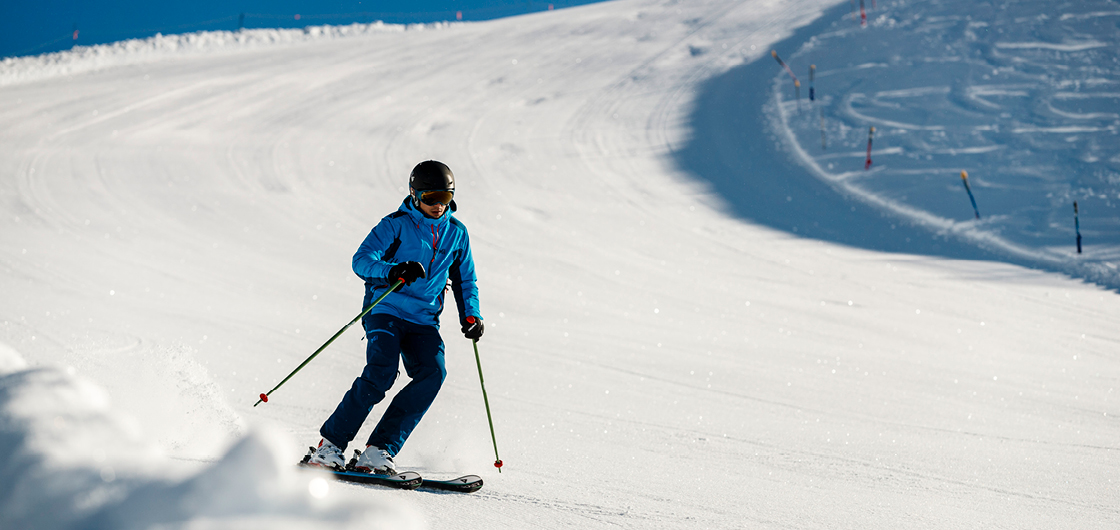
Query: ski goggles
(434, 197)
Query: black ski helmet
(431, 175)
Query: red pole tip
(498, 464)
(264, 398)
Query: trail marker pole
(812, 72)
(264, 396)
(870, 135)
(1077, 226)
(774, 54)
(964, 178)
(796, 83)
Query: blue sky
(30, 28)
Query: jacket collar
(421, 219)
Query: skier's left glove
(473, 328)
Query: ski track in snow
(1034, 123)
(664, 349)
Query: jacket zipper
(435, 247)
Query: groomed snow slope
(178, 231)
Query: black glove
(473, 328)
(408, 271)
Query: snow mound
(10, 361)
(14, 70)
(71, 462)
(168, 383)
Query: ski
(464, 484)
(407, 480)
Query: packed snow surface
(692, 320)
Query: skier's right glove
(473, 328)
(408, 271)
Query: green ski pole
(264, 396)
(490, 419)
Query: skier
(424, 246)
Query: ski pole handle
(489, 418)
(264, 396)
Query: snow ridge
(15, 70)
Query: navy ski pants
(388, 340)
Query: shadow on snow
(732, 148)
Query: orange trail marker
(774, 54)
(796, 82)
(964, 178)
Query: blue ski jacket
(440, 245)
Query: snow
(692, 322)
(72, 462)
(82, 59)
(1024, 101)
